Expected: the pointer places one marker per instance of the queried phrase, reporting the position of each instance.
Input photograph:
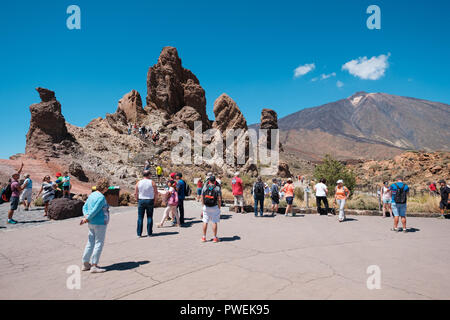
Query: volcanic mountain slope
(367, 126)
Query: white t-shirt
(320, 190)
(145, 187)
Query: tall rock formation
(47, 126)
(228, 115)
(171, 87)
(131, 105)
(269, 121)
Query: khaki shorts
(239, 201)
(26, 195)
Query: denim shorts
(289, 200)
(199, 191)
(387, 201)
(14, 203)
(399, 209)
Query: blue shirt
(394, 189)
(29, 184)
(93, 208)
(181, 188)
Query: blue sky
(247, 49)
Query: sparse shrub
(363, 202)
(299, 193)
(39, 202)
(333, 170)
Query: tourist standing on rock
(59, 184)
(321, 191)
(445, 202)
(147, 165)
(25, 196)
(66, 185)
(258, 196)
(145, 193)
(96, 214)
(274, 196)
(15, 195)
(172, 204)
(49, 189)
(211, 203)
(341, 195)
(288, 190)
(386, 197)
(181, 189)
(199, 189)
(238, 193)
(400, 192)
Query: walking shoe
(12, 221)
(97, 270)
(441, 216)
(395, 229)
(216, 240)
(203, 239)
(86, 266)
(405, 230)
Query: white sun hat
(340, 181)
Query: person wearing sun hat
(340, 196)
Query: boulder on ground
(64, 208)
(283, 170)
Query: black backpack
(275, 195)
(400, 195)
(210, 196)
(6, 193)
(259, 189)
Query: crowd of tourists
(208, 192)
(143, 132)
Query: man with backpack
(274, 196)
(445, 203)
(258, 196)
(181, 189)
(400, 192)
(211, 202)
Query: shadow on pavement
(228, 239)
(350, 219)
(225, 216)
(189, 223)
(412, 229)
(122, 266)
(166, 233)
(32, 221)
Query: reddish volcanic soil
(38, 169)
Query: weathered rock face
(269, 121)
(63, 208)
(171, 87)
(131, 105)
(228, 115)
(76, 170)
(186, 116)
(283, 170)
(47, 125)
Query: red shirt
(236, 185)
(199, 183)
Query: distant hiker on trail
(96, 214)
(25, 196)
(341, 195)
(66, 185)
(181, 189)
(199, 189)
(288, 189)
(147, 165)
(49, 193)
(238, 193)
(386, 197)
(150, 132)
(400, 192)
(145, 193)
(274, 196)
(15, 194)
(172, 204)
(321, 191)
(266, 190)
(445, 201)
(211, 202)
(130, 127)
(258, 196)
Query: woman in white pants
(340, 196)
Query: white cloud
(339, 84)
(326, 76)
(302, 70)
(368, 69)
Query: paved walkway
(303, 257)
